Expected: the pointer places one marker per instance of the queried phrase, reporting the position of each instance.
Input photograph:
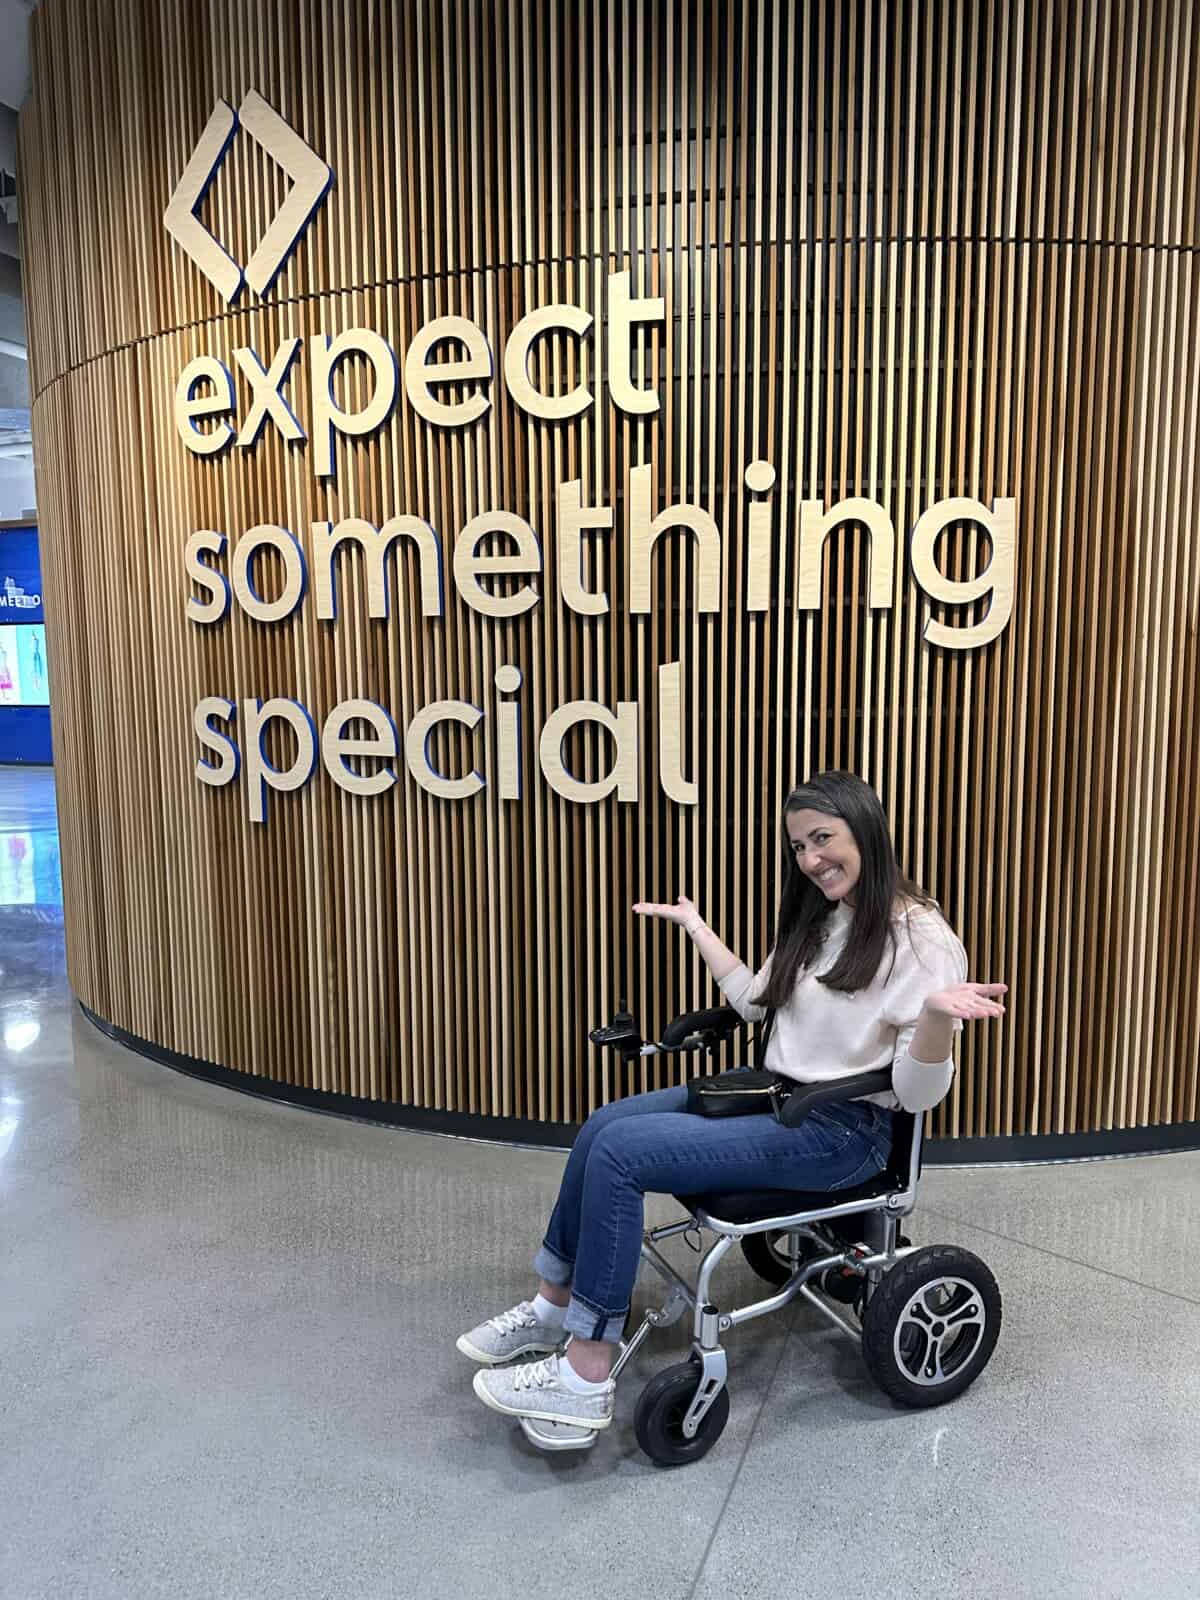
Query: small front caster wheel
(664, 1403)
(931, 1325)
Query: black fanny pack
(738, 1094)
(747, 1091)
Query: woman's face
(824, 850)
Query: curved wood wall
(907, 253)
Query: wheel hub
(938, 1330)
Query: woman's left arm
(930, 1000)
(932, 1041)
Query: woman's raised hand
(683, 911)
(968, 1001)
(719, 960)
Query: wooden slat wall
(908, 251)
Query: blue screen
(20, 577)
(24, 674)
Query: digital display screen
(20, 577)
(23, 677)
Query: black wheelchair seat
(757, 1205)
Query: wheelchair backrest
(904, 1164)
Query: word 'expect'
(205, 390)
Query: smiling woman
(836, 838)
(858, 950)
(864, 975)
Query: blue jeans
(649, 1144)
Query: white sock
(571, 1380)
(546, 1311)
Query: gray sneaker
(513, 1333)
(535, 1390)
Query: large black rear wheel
(930, 1327)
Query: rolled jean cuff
(586, 1322)
(551, 1267)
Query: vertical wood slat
(906, 253)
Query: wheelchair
(926, 1319)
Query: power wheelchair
(926, 1319)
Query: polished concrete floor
(227, 1342)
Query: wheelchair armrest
(700, 1027)
(805, 1096)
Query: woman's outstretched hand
(682, 912)
(969, 1001)
(719, 960)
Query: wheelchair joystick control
(621, 1034)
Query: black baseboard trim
(1016, 1150)
(1033, 1149)
(416, 1119)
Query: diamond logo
(310, 177)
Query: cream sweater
(823, 1034)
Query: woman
(864, 972)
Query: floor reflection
(30, 872)
(32, 953)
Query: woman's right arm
(718, 958)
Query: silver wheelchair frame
(709, 1322)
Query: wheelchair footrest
(557, 1435)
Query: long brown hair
(804, 911)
